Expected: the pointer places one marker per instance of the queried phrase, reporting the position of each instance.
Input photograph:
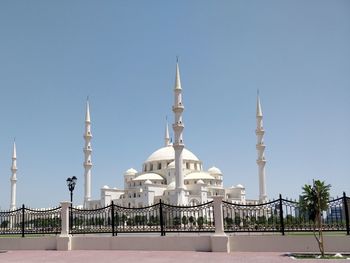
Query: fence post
(346, 210)
(113, 221)
(22, 225)
(65, 219)
(218, 216)
(281, 216)
(161, 221)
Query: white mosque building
(172, 173)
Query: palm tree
(314, 200)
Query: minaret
(178, 144)
(167, 137)
(13, 178)
(87, 154)
(260, 147)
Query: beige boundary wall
(243, 243)
(275, 243)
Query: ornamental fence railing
(284, 215)
(279, 216)
(159, 218)
(24, 221)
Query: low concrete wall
(272, 243)
(28, 243)
(242, 243)
(166, 243)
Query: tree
(200, 221)
(314, 200)
(184, 220)
(177, 221)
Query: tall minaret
(166, 137)
(178, 144)
(13, 178)
(87, 154)
(260, 147)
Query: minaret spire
(13, 178)
(260, 147)
(167, 137)
(87, 156)
(178, 144)
(87, 114)
(177, 76)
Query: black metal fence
(284, 215)
(280, 215)
(159, 218)
(198, 218)
(24, 221)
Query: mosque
(172, 174)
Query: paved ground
(143, 257)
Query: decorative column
(178, 144)
(13, 178)
(64, 241)
(260, 147)
(87, 154)
(219, 240)
(65, 218)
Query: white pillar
(64, 240)
(218, 216)
(220, 242)
(65, 218)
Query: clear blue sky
(53, 54)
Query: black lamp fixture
(71, 182)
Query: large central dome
(168, 153)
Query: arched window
(159, 166)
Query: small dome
(148, 182)
(171, 165)
(239, 186)
(198, 175)
(148, 176)
(214, 170)
(130, 171)
(200, 181)
(105, 187)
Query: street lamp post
(71, 181)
